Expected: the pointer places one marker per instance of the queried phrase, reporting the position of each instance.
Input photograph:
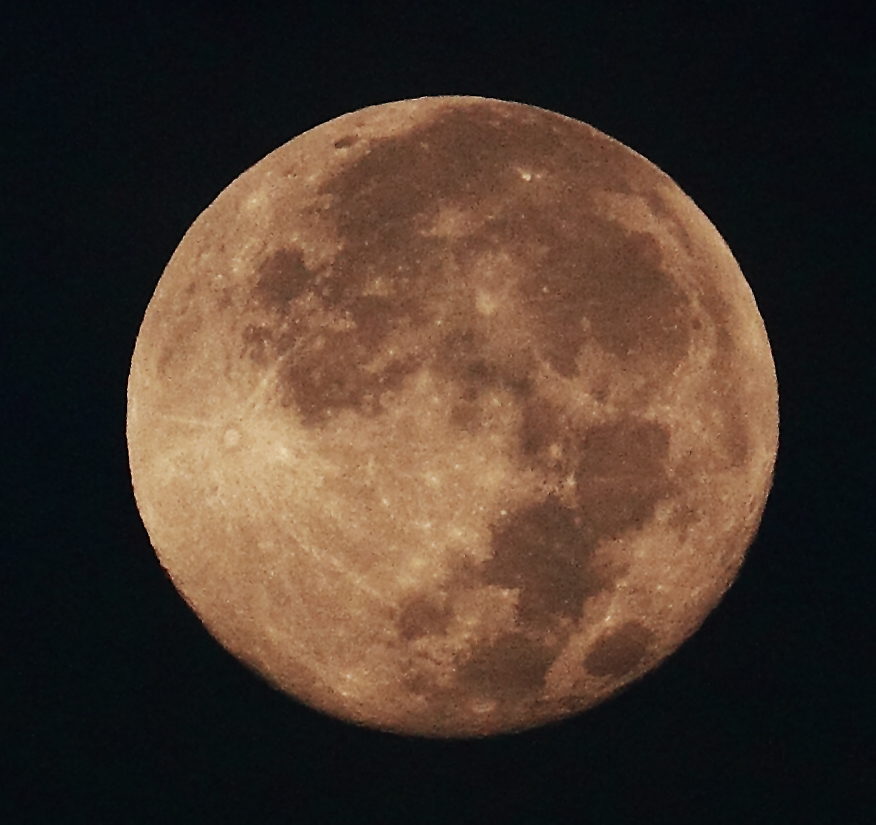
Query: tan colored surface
(452, 416)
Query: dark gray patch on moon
(625, 446)
(510, 669)
(622, 475)
(601, 282)
(544, 552)
(620, 650)
(460, 360)
(280, 279)
(422, 617)
(542, 426)
(582, 276)
(323, 356)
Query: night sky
(120, 125)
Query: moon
(452, 417)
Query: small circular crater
(481, 706)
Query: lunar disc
(452, 417)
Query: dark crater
(346, 142)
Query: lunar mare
(452, 417)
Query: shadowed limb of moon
(452, 417)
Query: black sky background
(120, 125)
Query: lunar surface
(452, 417)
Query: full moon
(452, 417)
